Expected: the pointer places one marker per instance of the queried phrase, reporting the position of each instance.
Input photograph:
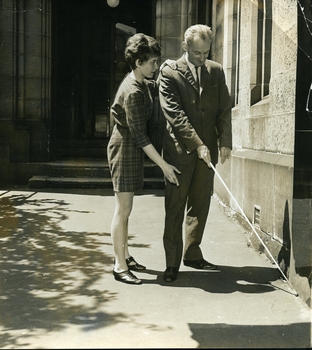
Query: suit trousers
(189, 204)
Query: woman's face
(148, 68)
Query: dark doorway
(88, 64)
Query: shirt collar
(191, 65)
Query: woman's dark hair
(141, 47)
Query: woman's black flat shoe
(133, 265)
(126, 277)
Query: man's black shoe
(170, 274)
(201, 264)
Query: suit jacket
(194, 119)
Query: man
(197, 108)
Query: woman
(131, 109)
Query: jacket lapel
(189, 76)
(184, 68)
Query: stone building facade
(266, 66)
(266, 52)
(61, 63)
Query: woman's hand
(168, 170)
(170, 173)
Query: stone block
(238, 178)
(171, 8)
(6, 51)
(33, 44)
(172, 48)
(5, 154)
(257, 133)
(259, 180)
(33, 66)
(20, 151)
(6, 108)
(280, 133)
(6, 87)
(5, 168)
(38, 182)
(39, 151)
(284, 88)
(265, 180)
(32, 88)
(23, 172)
(172, 27)
(33, 23)
(7, 5)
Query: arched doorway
(88, 39)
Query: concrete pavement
(58, 291)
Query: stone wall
(260, 174)
(25, 87)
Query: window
(236, 50)
(261, 50)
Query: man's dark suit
(192, 120)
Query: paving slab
(58, 291)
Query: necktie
(197, 79)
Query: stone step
(78, 168)
(80, 172)
(85, 167)
(80, 148)
(37, 182)
(88, 173)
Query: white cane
(214, 169)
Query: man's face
(198, 50)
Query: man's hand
(225, 153)
(204, 154)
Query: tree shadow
(49, 277)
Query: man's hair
(203, 31)
(141, 47)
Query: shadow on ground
(244, 279)
(228, 336)
(48, 274)
(51, 277)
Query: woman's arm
(168, 170)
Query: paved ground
(58, 291)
